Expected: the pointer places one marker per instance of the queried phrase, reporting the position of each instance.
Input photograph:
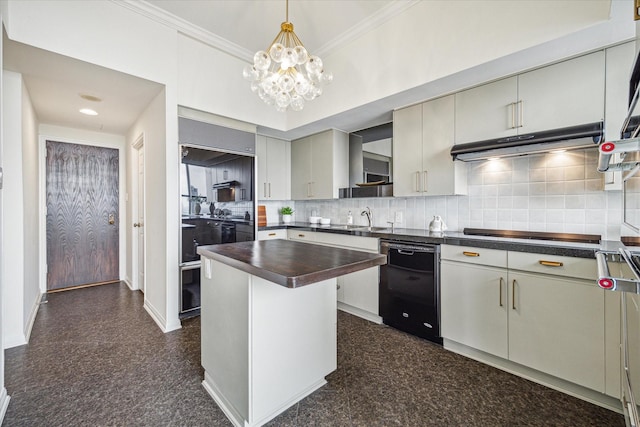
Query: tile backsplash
(556, 192)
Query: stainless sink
(348, 227)
(357, 227)
(372, 228)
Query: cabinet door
(407, 151)
(360, 289)
(474, 306)
(440, 174)
(263, 166)
(565, 94)
(278, 169)
(487, 111)
(301, 169)
(322, 166)
(556, 326)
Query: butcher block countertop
(289, 263)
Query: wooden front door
(82, 215)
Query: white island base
(264, 346)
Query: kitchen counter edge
(548, 247)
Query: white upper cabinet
(487, 111)
(407, 151)
(568, 93)
(422, 140)
(274, 168)
(319, 165)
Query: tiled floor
(96, 359)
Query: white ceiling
(252, 24)
(55, 82)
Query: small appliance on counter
(437, 225)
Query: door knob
(112, 219)
(137, 224)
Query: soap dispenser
(349, 218)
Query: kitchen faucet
(367, 212)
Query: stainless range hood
(568, 138)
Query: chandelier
(285, 75)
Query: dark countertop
(549, 247)
(210, 217)
(291, 264)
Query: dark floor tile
(96, 358)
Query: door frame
(136, 146)
(81, 138)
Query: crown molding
(187, 28)
(207, 37)
(380, 17)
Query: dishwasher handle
(408, 248)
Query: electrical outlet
(398, 217)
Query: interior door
(140, 222)
(82, 215)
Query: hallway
(97, 359)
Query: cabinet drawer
(583, 268)
(309, 236)
(348, 241)
(272, 234)
(471, 255)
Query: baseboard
(22, 337)
(32, 316)
(360, 313)
(4, 403)
(160, 321)
(155, 316)
(127, 282)
(237, 419)
(575, 390)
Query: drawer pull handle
(500, 286)
(550, 263)
(272, 234)
(405, 315)
(513, 294)
(300, 235)
(428, 325)
(466, 253)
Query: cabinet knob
(466, 253)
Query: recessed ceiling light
(88, 112)
(90, 97)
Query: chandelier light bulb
(285, 74)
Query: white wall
(116, 38)
(161, 272)
(4, 397)
(20, 216)
(30, 185)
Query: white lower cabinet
(357, 292)
(549, 322)
(474, 310)
(556, 325)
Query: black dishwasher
(410, 288)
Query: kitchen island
(268, 322)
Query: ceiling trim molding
(205, 36)
(373, 21)
(187, 28)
